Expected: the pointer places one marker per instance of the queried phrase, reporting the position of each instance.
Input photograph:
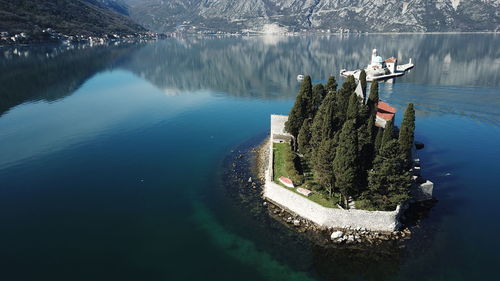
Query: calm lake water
(111, 158)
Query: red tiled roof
(391, 59)
(385, 108)
(385, 116)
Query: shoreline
(322, 235)
(299, 34)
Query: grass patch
(322, 200)
(365, 205)
(279, 158)
(280, 150)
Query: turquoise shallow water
(110, 158)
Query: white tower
(374, 55)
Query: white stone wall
(278, 124)
(324, 217)
(380, 122)
(330, 217)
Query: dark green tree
(388, 132)
(304, 138)
(389, 181)
(365, 153)
(324, 124)
(371, 127)
(331, 85)
(373, 98)
(362, 80)
(407, 131)
(364, 114)
(293, 167)
(365, 148)
(342, 99)
(378, 139)
(318, 94)
(346, 164)
(353, 108)
(301, 108)
(323, 165)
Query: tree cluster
(335, 135)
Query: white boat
(286, 182)
(300, 77)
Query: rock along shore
(346, 235)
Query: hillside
(297, 15)
(70, 17)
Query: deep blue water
(110, 158)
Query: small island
(338, 161)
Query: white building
(385, 113)
(377, 63)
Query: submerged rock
(419, 145)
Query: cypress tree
(353, 108)
(323, 165)
(378, 139)
(365, 153)
(346, 164)
(293, 167)
(364, 114)
(304, 138)
(373, 98)
(329, 126)
(388, 132)
(301, 108)
(318, 94)
(362, 80)
(342, 98)
(371, 127)
(407, 131)
(324, 124)
(388, 181)
(331, 85)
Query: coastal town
(50, 35)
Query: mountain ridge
(305, 15)
(70, 17)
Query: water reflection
(263, 67)
(129, 123)
(51, 73)
(239, 66)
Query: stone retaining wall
(323, 216)
(330, 217)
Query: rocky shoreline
(244, 180)
(346, 235)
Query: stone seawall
(330, 217)
(322, 216)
